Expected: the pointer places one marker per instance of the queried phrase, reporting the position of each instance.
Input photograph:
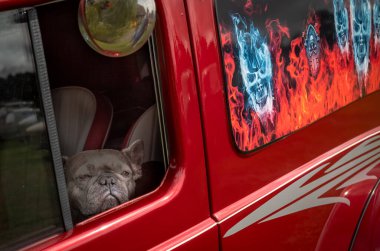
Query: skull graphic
(255, 66)
(360, 14)
(341, 25)
(313, 50)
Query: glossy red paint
(325, 227)
(13, 4)
(200, 237)
(208, 174)
(238, 181)
(181, 203)
(245, 173)
(369, 229)
(338, 230)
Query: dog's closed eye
(126, 173)
(84, 177)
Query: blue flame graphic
(255, 65)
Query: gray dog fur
(98, 180)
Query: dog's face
(98, 180)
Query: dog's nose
(107, 180)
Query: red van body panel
(240, 183)
(288, 195)
(367, 237)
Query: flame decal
(301, 94)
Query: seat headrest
(83, 119)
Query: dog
(98, 180)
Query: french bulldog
(98, 180)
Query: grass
(28, 193)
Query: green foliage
(28, 193)
(108, 20)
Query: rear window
(286, 67)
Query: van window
(107, 112)
(286, 69)
(29, 204)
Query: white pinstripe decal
(350, 169)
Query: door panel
(367, 236)
(181, 202)
(316, 207)
(203, 236)
(241, 183)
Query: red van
(260, 122)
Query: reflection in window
(29, 207)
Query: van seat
(83, 119)
(147, 129)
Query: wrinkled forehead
(99, 160)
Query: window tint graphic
(29, 207)
(287, 67)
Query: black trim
(49, 116)
(159, 100)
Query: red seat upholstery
(83, 119)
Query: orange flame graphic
(299, 98)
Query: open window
(60, 99)
(102, 102)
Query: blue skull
(255, 65)
(361, 33)
(313, 50)
(341, 24)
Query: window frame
(168, 206)
(47, 105)
(28, 17)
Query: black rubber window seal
(51, 127)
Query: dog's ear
(135, 152)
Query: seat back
(153, 169)
(83, 119)
(147, 129)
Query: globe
(116, 28)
